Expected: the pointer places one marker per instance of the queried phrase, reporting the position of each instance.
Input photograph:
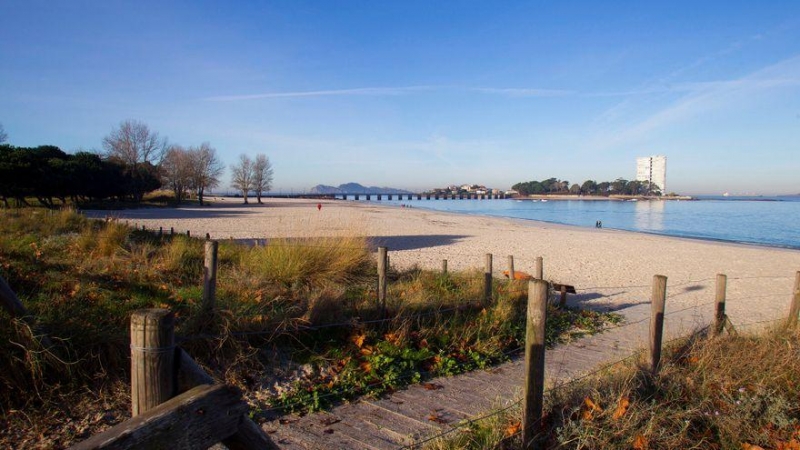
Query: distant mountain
(355, 188)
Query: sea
(766, 221)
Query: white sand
(609, 268)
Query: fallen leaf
(793, 444)
(513, 429)
(622, 407)
(640, 443)
(747, 446)
(589, 408)
(433, 417)
(366, 367)
(432, 386)
(359, 340)
(393, 338)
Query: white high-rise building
(653, 169)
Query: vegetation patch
(296, 323)
(732, 392)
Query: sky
(422, 94)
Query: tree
(589, 187)
(3, 135)
(242, 176)
(206, 168)
(176, 171)
(262, 175)
(139, 150)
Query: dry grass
(733, 392)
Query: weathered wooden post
(188, 233)
(659, 297)
(210, 276)
(538, 268)
(533, 395)
(795, 308)
(208, 236)
(171, 231)
(444, 267)
(160, 231)
(720, 319)
(382, 257)
(152, 359)
(487, 279)
(510, 268)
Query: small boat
(544, 200)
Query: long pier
(389, 197)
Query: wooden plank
(657, 320)
(198, 418)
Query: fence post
(534, 361)
(722, 283)
(657, 302)
(538, 268)
(795, 308)
(210, 276)
(444, 267)
(188, 233)
(487, 279)
(382, 256)
(152, 359)
(510, 268)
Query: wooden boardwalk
(414, 414)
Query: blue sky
(421, 94)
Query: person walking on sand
(319, 206)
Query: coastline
(612, 269)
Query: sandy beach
(609, 268)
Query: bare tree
(139, 150)
(3, 135)
(133, 143)
(242, 176)
(206, 169)
(262, 175)
(176, 171)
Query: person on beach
(319, 206)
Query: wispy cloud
(523, 92)
(707, 96)
(374, 91)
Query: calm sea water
(763, 221)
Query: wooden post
(533, 396)
(152, 359)
(538, 268)
(444, 267)
(14, 307)
(563, 300)
(657, 302)
(382, 255)
(171, 231)
(510, 268)
(795, 308)
(719, 324)
(160, 231)
(208, 236)
(188, 233)
(487, 279)
(210, 276)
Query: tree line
(135, 161)
(620, 186)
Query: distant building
(653, 169)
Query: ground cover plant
(296, 324)
(733, 392)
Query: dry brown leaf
(432, 386)
(393, 338)
(793, 444)
(433, 417)
(513, 428)
(359, 340)
(640, 443)
(622, 407)
(366, 367)
(747, 446)
(589, 408)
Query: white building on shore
(653, 169)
